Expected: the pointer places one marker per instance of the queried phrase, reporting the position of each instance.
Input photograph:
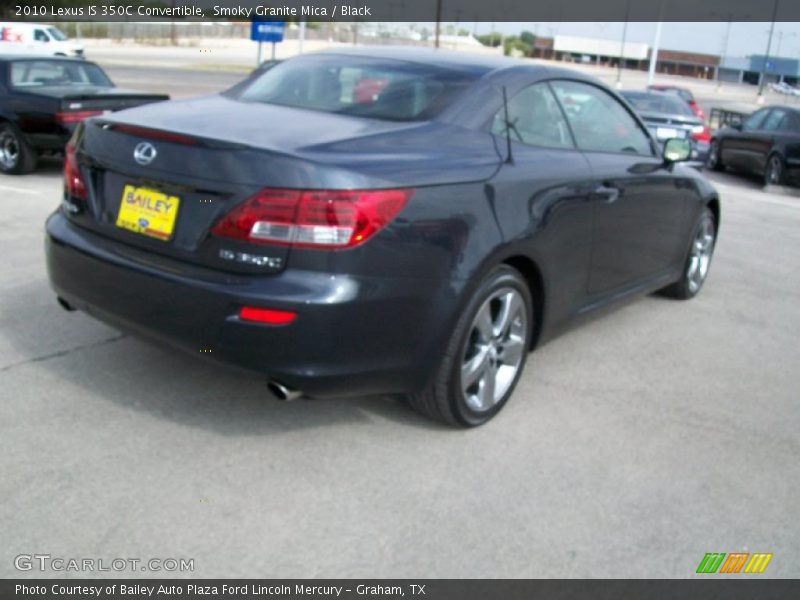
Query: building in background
(670, 62)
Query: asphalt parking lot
(633, 445)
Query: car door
(757, 143)
(640, 204)
(736, 147)
(790, 142)
(542, 195)
(774, 132)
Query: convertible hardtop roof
(477, 64)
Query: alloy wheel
(495, 349)
(774, 168)
(9, 150)
(700, 256)
(713, 155)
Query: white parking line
(16, 190)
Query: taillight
(701, 133)
(67, 118)
(73, 180)
(268, 316)
(697, 110)
(312, 218)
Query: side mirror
(736, 126)
(677, 150)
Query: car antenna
(509, 125)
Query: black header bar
(402, 10)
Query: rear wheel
(713, 161)
(773, 172)
(16, 155)
(485, 356)
(698, 262)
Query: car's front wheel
(16, 155)
(713, 161)
(773, 172)
(485, 355)
(698, 261)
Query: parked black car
(668, 116)
(42, 99)
(766, 143)
(378, 222)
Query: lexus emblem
(144, 153)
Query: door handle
(607, 192)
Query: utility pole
(651, 72)
(172, 35)
(622, 44)
(301, 36)
(760, 98)
(724, 50)
(438, 21)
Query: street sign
(266, 31)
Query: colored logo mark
(735, 562)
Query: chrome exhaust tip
(65, 305)
(282, 392)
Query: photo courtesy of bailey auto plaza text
(435, 299)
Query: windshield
(365, 87)
(658, 103)
(56, 34)
(56, 73)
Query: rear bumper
(352, 335)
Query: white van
(36, 39)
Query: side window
(40, 36)
(793, 123)
(775, 120)
(599, 122)
(755, 120)
(534, 119)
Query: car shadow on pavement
(49, 164)
(71, 350)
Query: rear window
(56, 73)
(358, 86)
(658, 103)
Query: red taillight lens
(312, 218)
(73, 180)
(155, 134)
(697, 110)
(268, 316)
(701, 133)
(77, 116)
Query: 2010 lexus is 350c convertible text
(391, 221)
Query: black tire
(688, 285)
(17, 157)
(774, 170)
(714, 161)
(443, 399)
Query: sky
(745, 38)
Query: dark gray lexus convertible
(391, 221)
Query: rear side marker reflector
(312, 218)
(66, 118)
(154, 134)
(268, 316)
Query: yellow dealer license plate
(148, 212)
